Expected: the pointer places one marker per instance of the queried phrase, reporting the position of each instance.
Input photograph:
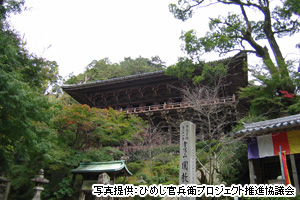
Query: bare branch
(239, 3)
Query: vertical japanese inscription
(187, 154)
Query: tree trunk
(263, 53)
(282, 66)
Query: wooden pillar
(81, 195)
(113, 182)
(169, 137)
(259, 172)
(251, 172)
(295, 175)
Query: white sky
(74, 33)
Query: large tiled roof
(288, 122)
(114, 80)
(137, 76)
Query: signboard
(187, 155)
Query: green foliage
(66, 99)
(8, 7)
(82, 127)
(144, 154)
(23, 116)
(210, 73)
(20, 182)
(103, 69)
(227, 33)
(37, 131)
(63, 184)
(156, 165)
(135, 167)
(292, 6)
(184, 69)
(233, 164)
(173, 170)
(66, 189)
(37, 72)
(268, 99)
(25, 113)
(85, 134)
(145, 177)
(222, 38)
(240, 31)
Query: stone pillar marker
(187, 174)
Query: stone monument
(187, 155)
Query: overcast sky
(74, 33)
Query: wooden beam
(251, 172)
(295, 175)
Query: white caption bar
(193, 190)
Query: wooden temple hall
(154, 96)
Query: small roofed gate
(99, 173)
(269, 144)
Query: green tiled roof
(102, 167)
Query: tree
(233, 164)
(141, 65)
(25, 113)
(83, 128)
(101, 70)
(212, 110)
(23, 80)
(215, 118)
(240, 32)
(104, 69)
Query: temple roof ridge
(270, 125)
(141, 75)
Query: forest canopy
(104, 69)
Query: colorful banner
(268, 145)
(285, 171)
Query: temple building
(273, 150)
(154, 96)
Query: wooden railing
(177, 105)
